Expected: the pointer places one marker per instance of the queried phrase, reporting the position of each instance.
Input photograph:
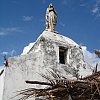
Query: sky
(22, 21)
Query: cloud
(93, 6)
(5, 31)
(27, 48)
(2, 33)
(96, 8)
(4, 53)
(90, 58)
(27, 18)
(12, 29)
(11, 53)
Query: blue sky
(22, 21)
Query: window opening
(62, 55)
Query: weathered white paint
(43, 56)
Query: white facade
(43, 56)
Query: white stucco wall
(43, 56)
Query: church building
(51, 51)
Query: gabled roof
(58, 38)
(55, 37)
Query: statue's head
(51, 6)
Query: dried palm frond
(60, 88)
